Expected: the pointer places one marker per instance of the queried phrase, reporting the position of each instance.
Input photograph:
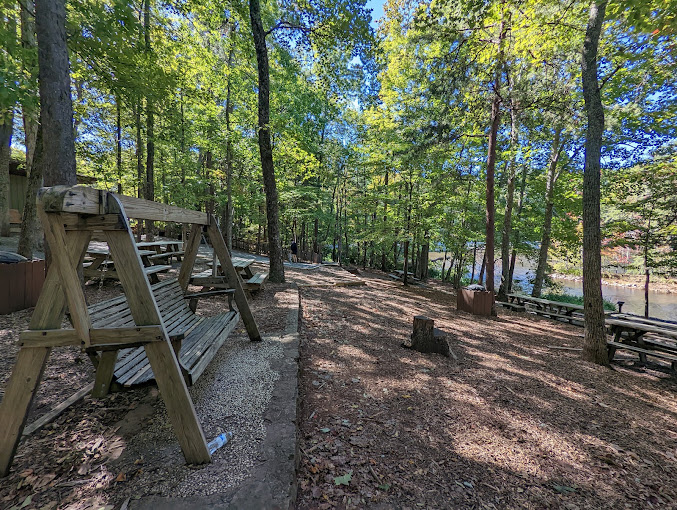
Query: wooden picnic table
(647, 337)
(163, 250)
(213, 278)
(99, 265)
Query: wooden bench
(512, 306)
(643, 353)
(167, 255)
(200, 337)
(151, 321)
(256, 282)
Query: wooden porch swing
(152, 318)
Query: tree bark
(491, 166)
(551, 180)
(594, 344)
(150, 127)
(31, 232)
(229, 159)
(56, 114)
(510, 197)
(6, 130)
(265, 147)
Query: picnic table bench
(249, 280)
(151, 321)
(98, 265)
(163, 250)
(646, 337)
(398, 274)
(570, 312)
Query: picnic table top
(238, 262)
(573, 306)
(105, 251)
(643, 326)
(145, 244)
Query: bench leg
(104, 373)
(179, 405)
(611, 351)
(21, 388)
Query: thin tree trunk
(483, 268)
(551, 180)
(6, 130)
(118, 142)
(406, 262)
(474, 260)
(229, 160)
(491, 166)
(150, 127)
(30, 226)
(594, 344)
(510, 197)
(265, 147)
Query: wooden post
(30, 364)
(104, 373)
(19, 394)
(191, 249)
(233, 280)
(160, 354)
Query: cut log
(427, 338)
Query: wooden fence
(20, 285)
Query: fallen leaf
(122, 477)
(345, 479)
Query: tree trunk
(483, 268)
(551, 180)
(31, 232)
(406, 262)
(56, 114)
(510, 196)
(265, 147)
(474, 261)
(150, 127)
(229, 160)
(118, 142)
(423, 262)
(491, 166)
(6, 130)
(594, 344)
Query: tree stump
(427, 338)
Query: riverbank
(627, 281)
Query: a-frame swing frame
(69, 216)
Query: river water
(662, 305)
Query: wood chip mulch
(511, 423)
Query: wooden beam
(99, 337)
(56, 411)
(84, 200)
(64, 264)
(51, 304)
(73, 221)
(104, 373)
(164, 363)
(19, 394)
(191, 248)
(233, 279)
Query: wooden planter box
(20, 285)
(476, 302)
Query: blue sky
(377, 10)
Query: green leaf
(384, 486)
(345, 479)
(325, 430)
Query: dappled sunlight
(508, 413)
